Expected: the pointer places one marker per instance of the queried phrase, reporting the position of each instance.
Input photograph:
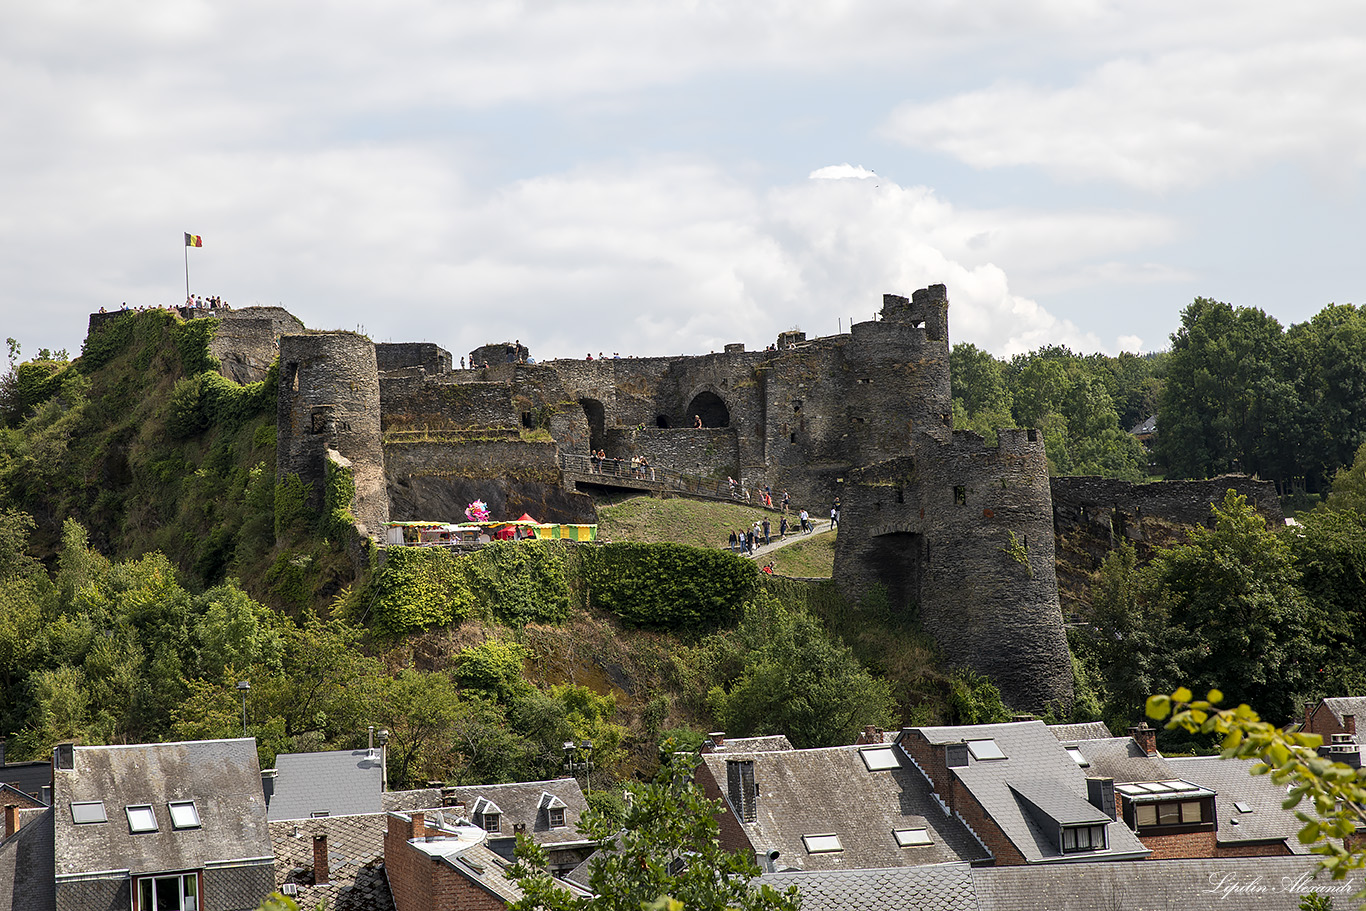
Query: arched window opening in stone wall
(710, 407)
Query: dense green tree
(667, 847)
(1229, 403)
(1225, 606)
(799, 681)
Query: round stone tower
(329, 401)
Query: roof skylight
(88, 811)
(822, 844)
(880, 759)
(1241, 807)
(985, 749)
(1077, 757)
(912, 838)
(184, 814)
(141, 819)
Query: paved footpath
(821, 528)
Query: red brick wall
(930, 757)
(732, 836)
(1183, 844)
(1275, 849)
(422, 883)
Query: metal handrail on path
(650, 477)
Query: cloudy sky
(659, 177)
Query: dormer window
(555, 817)
(554, 810)
(492, 822)
(1083, 838)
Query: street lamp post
(244, 687)
(579, 758)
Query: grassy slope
(810, 559)
(701, 523)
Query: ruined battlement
(956, 533)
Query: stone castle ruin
(946, 526)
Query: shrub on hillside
(669, 586)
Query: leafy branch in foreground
(667, 855)
(1336, 792)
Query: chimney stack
(1308, 714)
(1349, 723)
(718, 738)
(11, 819)
(1145, 737)
(1100, 793)
(871, 734)
(321, 875)
(955, 755)
(419, 825)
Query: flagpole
(187, 269)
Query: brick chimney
(1145, 737)
(321, 874)
(418, 825)
(1349, 724)
(11, 819)
(871, 734)
(1308, 716)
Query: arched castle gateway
(949, 527)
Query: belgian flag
(194, 240)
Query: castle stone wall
(708, 452)
(429, 357)
(415, 401)
(329, 399)
(436, 481)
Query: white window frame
(75, 816)
(555, 817)
(985, 750)
(141, 819)
(880, 759)
(144, 898)
(827, 843)
(913, 838)
(179, 818)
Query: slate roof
(519, 803)
(26, 863)
(1347, 705)
(831, 790)
(337, 782)
(355, 861)
(1198, 884)
(408, 801)
(1085, 730)
(1123, 760)
(222, 777)
(765, 744)
(28, 777)
(1233, 782)
(1034, 758)
(939, 887)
